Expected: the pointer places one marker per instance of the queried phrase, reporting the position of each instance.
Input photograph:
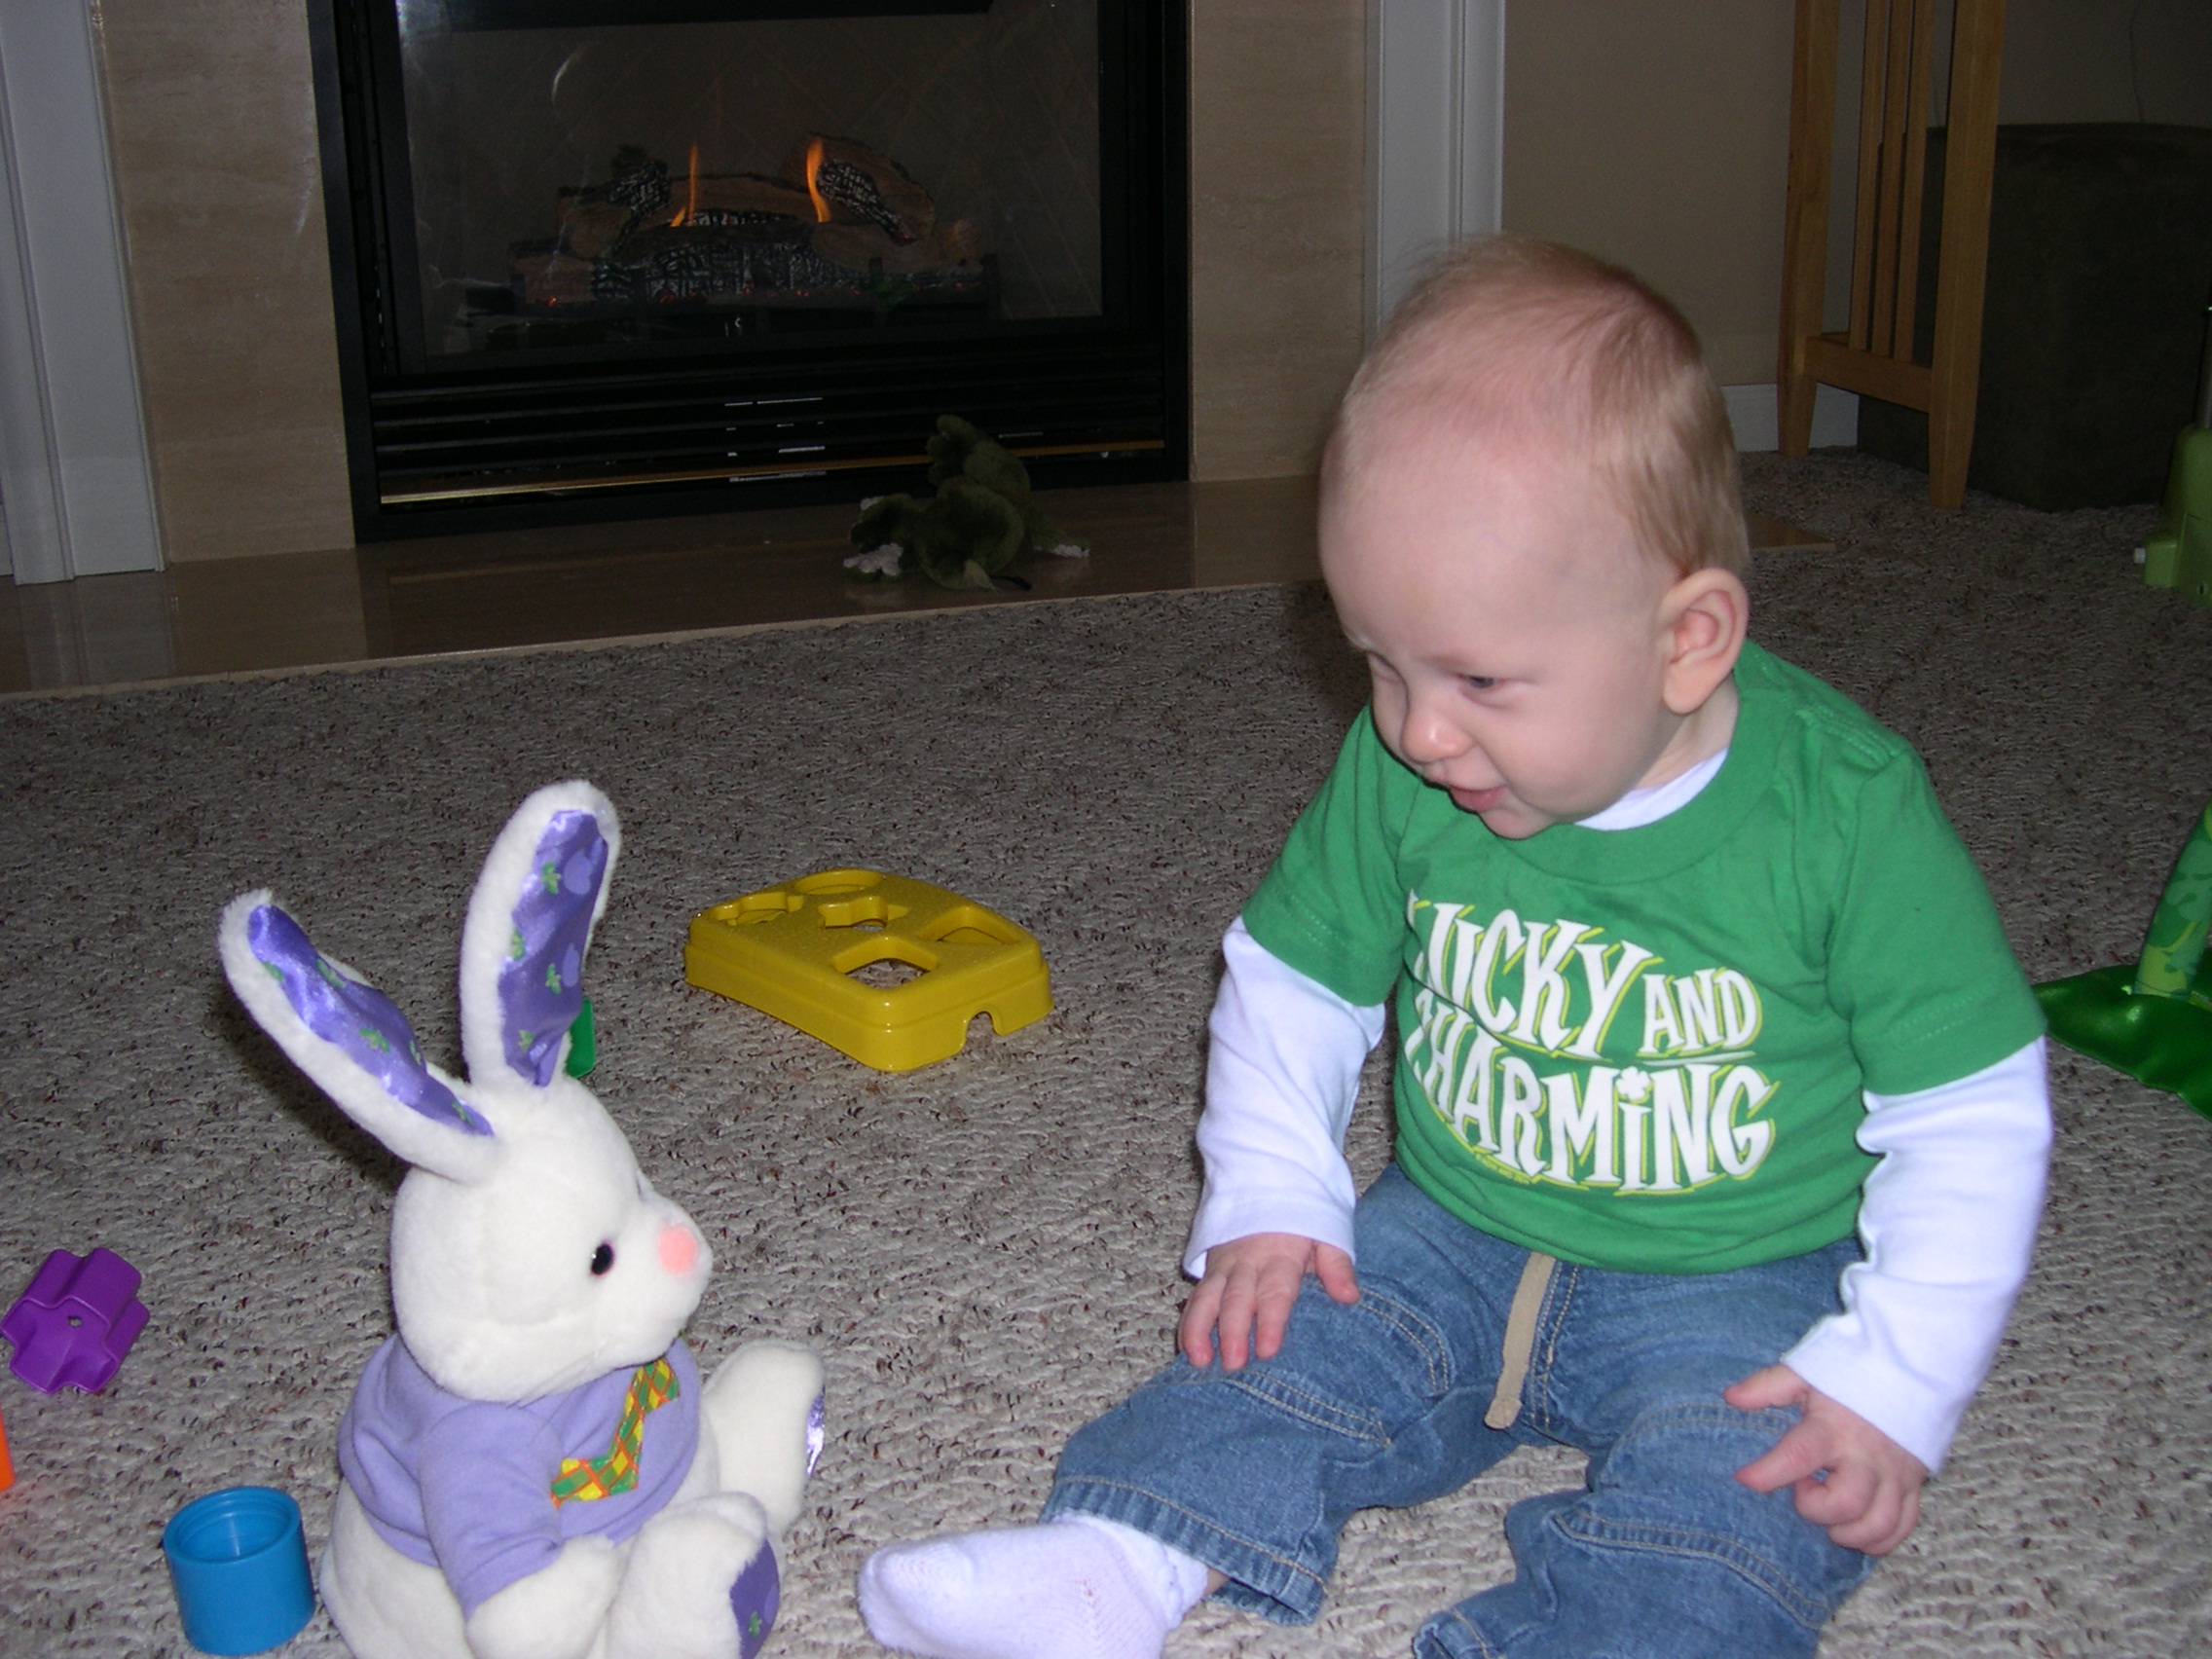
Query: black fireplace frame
(1083, 403)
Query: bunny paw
(688, 1571)
(754, 1599)
(763, 1407)
(554, 1612)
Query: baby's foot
(1068, 1589)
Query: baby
(1721, 1124)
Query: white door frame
(1435, 135)
(75, 479)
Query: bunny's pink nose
(679, 1249)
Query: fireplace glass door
(611, 255)
(584, 186)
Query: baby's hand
(1869, 1499)
(1257, 1278)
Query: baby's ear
(1706, 615)
(530, 923)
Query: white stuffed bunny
(532, 1468)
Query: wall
(1279, 140)
(1656, 133)
(211, 116)
(2107, 60)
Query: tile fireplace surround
(211, 111)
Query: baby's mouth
(1477, 800)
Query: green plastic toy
(2154, 1020)
(584, 1045)
(2180, 554)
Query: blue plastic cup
(240, 1564)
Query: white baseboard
(1754, 411)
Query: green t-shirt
(1644, 1049)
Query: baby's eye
(602, 1260)
(1477, 681)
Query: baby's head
(1531, 527)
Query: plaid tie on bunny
(650, 1386)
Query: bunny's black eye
(602, 1259)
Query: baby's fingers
(1839, 1500)
(1238, 1301)
(1198, 1316)
(1243, 1305)
(1888, 1522)
(1797, 1456)
(1333, 1268)
(1278, 1295)
(1772, 1386)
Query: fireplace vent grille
(484, 439)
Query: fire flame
(690, 208)
(813, 171)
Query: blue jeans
(1664, 1552)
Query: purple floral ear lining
(359, 1018)
(541, 983)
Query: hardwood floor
(518, 589)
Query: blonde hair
(1514, 336)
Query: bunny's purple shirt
(465, 1485)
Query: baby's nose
(1428, 737)
(679, 1249)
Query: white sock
(1074, 1588)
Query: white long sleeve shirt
(1948, 1216)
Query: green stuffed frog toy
(981, 516)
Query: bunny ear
(529, 922)
(349, 1036)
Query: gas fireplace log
(760, 200)
(958, 244)
(850, 184)
(687, 262)
(547, 277)
(589, 223)
(592, 224)
(846, 218)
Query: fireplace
(619, 258)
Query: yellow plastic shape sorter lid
(821, 953)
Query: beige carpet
(984, 1250)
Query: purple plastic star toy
(75, 1323)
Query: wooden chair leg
(1969, 167)
(1805, 228)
